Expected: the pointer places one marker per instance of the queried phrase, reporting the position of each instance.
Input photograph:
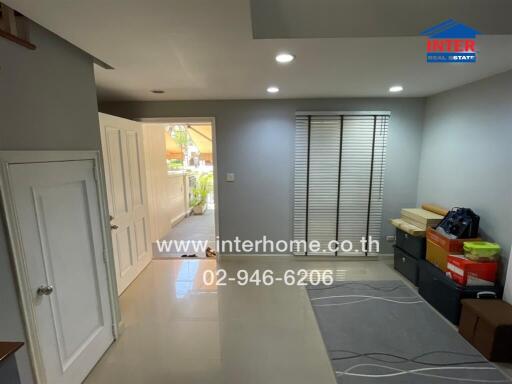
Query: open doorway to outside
(182, 201)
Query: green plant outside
(204, 186)
(175, 165)
(181, 137)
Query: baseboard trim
(238, 256)
(176, 220)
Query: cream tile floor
(178, 330)
(195, 227)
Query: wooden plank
(420, 217)
(9, 27)
(435, 208)
(17, 40)
(407, 227)
(8, 21)
(4, 25)
(7, 348)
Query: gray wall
(47, 101)
(47, 96)
(255, 140)
(466, 154)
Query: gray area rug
(383, 332)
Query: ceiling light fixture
(284, 58)
(396, 88)
(157, 91)
(272, 89)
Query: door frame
(210, 120)
(18, 258)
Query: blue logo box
(450, 57)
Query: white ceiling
(372, 18)
(204, 49)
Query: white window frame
(301, 198)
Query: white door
(58, 213)
(123, 156)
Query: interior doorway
(184, 205)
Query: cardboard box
(487, 325)
(439, 247)
(437, 255)
(421, 218)
(468, 272)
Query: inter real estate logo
(451, 42)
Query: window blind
(338, 179)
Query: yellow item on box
(481, 250)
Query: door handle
(113, 226)
(45, 290)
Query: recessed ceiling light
(396, 88)
(272, 89)
(284, 58)
(158, 91)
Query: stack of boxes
(478, 266)
(439, 247)
(437, 265)
(453, 274)
(410, 245)
(468, 262)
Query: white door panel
(117, 198)
(133, 147)
(123, 157)
(141, 237)
(122, 238)
(58, 211)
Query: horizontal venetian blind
(339, 177)
(324, 150)
(301, 181)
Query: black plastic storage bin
(406, 265)
(445, 295)
(415, 246)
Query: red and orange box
(468, 272)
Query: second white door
(123, 156)
(57, 209)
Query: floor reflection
(180, 330)
(186, 277)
